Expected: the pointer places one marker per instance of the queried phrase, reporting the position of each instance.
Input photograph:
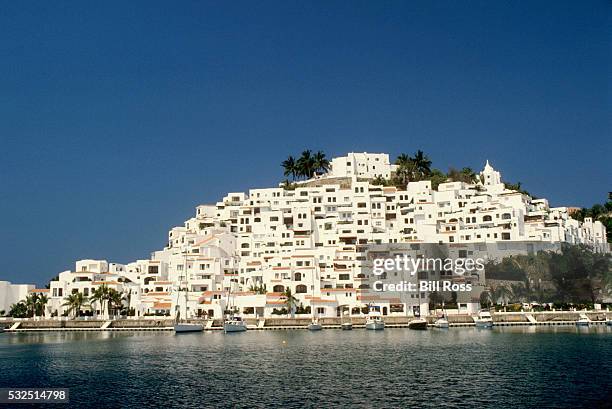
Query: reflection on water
(460, 367)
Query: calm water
(456, 368)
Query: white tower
(490, 176)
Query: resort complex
(308, 246)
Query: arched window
(506, 216)
(298, 277)
(487, 218)
(300, 289)
(278, 288)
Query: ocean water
(528, 367)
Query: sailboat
(418, 322)
(234, 322)
(442, 322)
(181, 327)
(345, 325)
(314, 323)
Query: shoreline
(500, 319)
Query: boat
(374, 319)
(181, 327)
(315, 325)
(583, 321)
(188, 327)
(234, 323)
(441, 323)
(345, 325)
(484, 320)
(418, 323)
(609, 322)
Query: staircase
(531, 319)
(209, 324)
(106, 324)
(261, 323)
(15, 326)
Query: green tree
(258, 289)
(115, 301)
(305, 164)
(75, 302)
(101, 296)
(290, 167)
(320, 162)
(290, 301)
(40, 305)
(437, 177)
(18, 310)
(422, 163)
(31, 303)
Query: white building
(12, 293)
(319, 240)
(362, 165)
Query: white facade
(12, 293)
(318, 239)
(362, 165)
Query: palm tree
(42, 301)
(101, 296)
(31, 303)
(502, 293)
(290, 167)
(422, 163)
(305, 164)
(115, 300)
(469, 175)
(290, 301)
(74, 302)
(520, 292)
(405, 168)
(127, 297)
(258, 289)
(320, 162)
(485, 298)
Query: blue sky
(117, 118)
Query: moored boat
(187, 327)
(181, 327)
(418, 323)
(347, 326)
(315, 325)
(484, 320)
(374, 320)
(441, 323)
(609, 322)
(583, 321)
(234, 324)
